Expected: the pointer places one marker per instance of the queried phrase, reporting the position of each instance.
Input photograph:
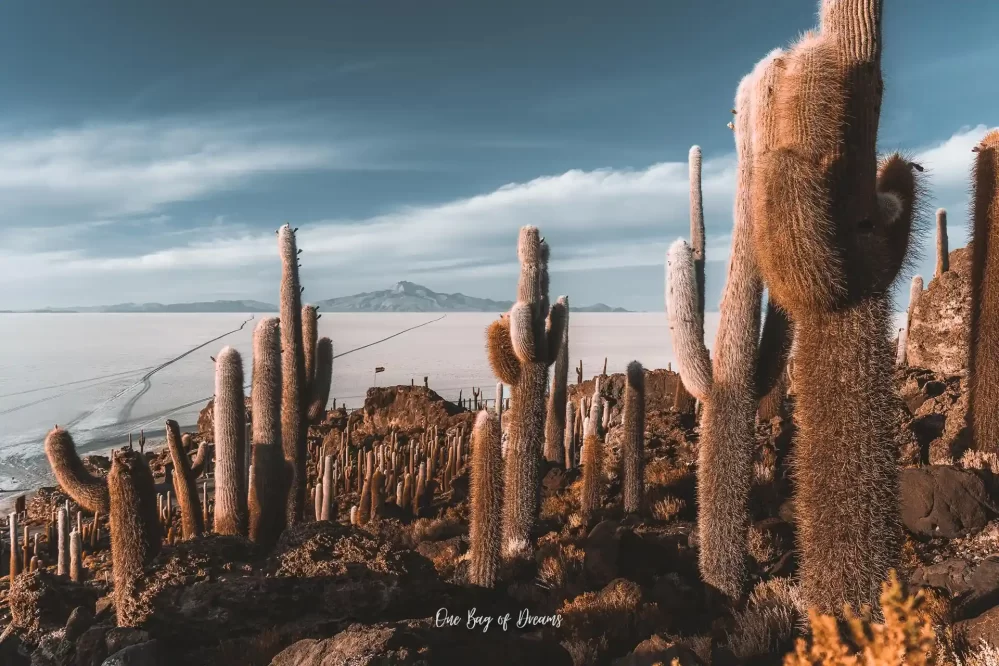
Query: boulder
(601, 552)
(973, 587)
(143, 654)
(985, 628)
(657, 650)
(407, 407)
(943, 501)
(941, 320)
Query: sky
(149, 151)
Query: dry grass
(668, 508)
(906, 637)
(435, 529)
(767, 623)
(973, 459)
(764, 547)
(660, 472)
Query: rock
(941, 320)
(120, 638)
(942, 501)
(79, 621)
(143, 654)
(206, 419)
(602, 550)
(985, 627)
(406, 407)
(657, 650)
(419, 642)
(975, 588)
(12, 651)
(40, 602)
(91, 648)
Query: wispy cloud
(594, 220)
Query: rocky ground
(619, 589)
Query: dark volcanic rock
(942, 501)
(657, 650)
(41, 602)
(419, 642)
(941, 320)
(985, 628)
(974, 588)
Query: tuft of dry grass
(767, 623)
(973, 459)
(668, 508)
(763, 547)
(435, 529)
(906, 636)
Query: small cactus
(62, 530)
(943, 256)
(230, 444)
(915, 291)
(486, 500)
(633, 444)
(76, 557)
(555, 422)
(184, 483)
(570, 434)
(135, 532)
(88, 491)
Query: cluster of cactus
(983, 400)
(63, 542)
(521, 345)
(831, 230)
(744, 368)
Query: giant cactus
(486, 500)
(266, 500)
(984, 366)
(88, 491)
(230, 444)
(293, 387)
(135, 533)
(555, 422)
(633, 446)
(184, 484)
(743, 371)
(521, 346)
(832, 230)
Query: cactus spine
(555, 422)
(743, 371)
(293, 388)
(984, 366)
(633, 445)
(943, 256)
(230, 444)
(486, 500)
(184, 484)
(915, 291)
(833, 228)
(88, 491)
(135, 532)
(521, 346)
(270, 471)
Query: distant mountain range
(403, 297)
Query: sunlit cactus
(319, 393)
(591, 490)
(521, 346)
(89, 491)
(230, 444)
(294, 387)
(266, 502)
(486, 500)
(943, 256)
(184, 484)
(135, 533)
(915, 291)
(983, 400)
(555, 421)
(832, 230)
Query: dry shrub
(558, 505)
(660, 472)
(594, 619)
(767, 623)
(983, 655)
(764, 547)
(973, 459)
(906, 637)
(435, 529)
(575, 520)
(668, 508)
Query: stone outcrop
(941, 320)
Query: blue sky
(148, 151)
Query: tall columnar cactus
(591, 489)
(12, 527)
(633, 444)
(184, 484)
(270, 471)
(230, 444)
(555, 422)
(984, 366)
(915, 291)
(744, 369)
(319, 391)
(570, 434)
(833, 229)
(89, 491)
(135, 532)
(76, 557)
(62, 531)
(486, 500)
(521, 346)
(294, 389)
(943, 253)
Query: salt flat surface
(85, 371)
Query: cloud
(115, 170)
(594, 220)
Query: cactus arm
(900, 189)
(775, 347)
(310, 335)
(499, 349)
(88, 491)
(555, 421)
(522, 332)
(200, 460)
(557, 331)
(697, 222)
(323, 379)
(685, 323)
